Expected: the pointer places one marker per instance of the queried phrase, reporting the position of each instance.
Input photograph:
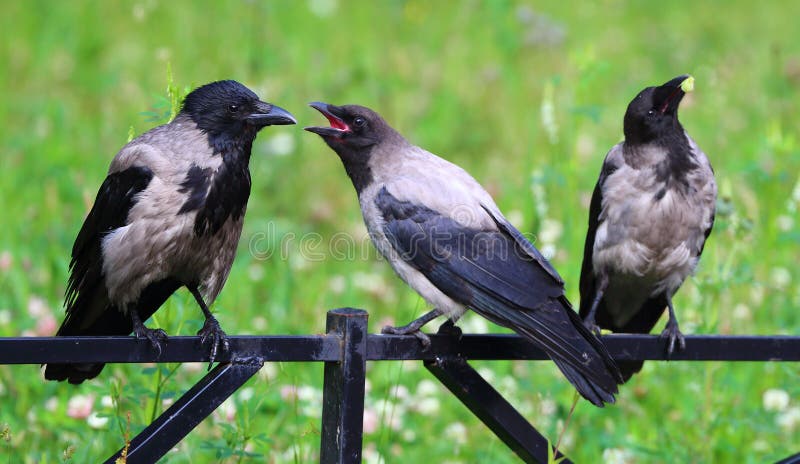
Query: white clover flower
(487, 374)
(741, 311)
(80, 406)
(775, 399)
(337, 284)
(37, 307)
(256, 272)
(51, 404)
(226, 411)
(789, 419)
(309, 393)
(269, 372)
(372, 456)
(456, 432)
(785, 222)
(246, 393)
(428, 406)
(427, 388)
(96, 422)
(550, 231)
(548, 407)
(618, 456)
(471, 323)
(516, 218)
(323, 8)
(280, 144)
(781, 277)
(371, 420)
(400, 392)
(107, 401)
(5, 317)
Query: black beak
(337, 128)
(270, 115)
(669, 95)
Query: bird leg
(156, 336)
(672, 332)
(211, 332)
(600, 289)
(413, 328)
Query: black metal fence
(345, 349)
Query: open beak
(671, 93)
(337, 128)
(270, 115)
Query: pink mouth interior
(669, 99)
(336, 123)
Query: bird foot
(451, 329)
(157, 337)
(409, 329)
(212, 334)
(672, 333)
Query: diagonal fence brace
(343, 389)
(185, 414)
(492, 409)
(795, 459)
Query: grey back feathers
(445, 237)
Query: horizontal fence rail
(305, 348)
(344, 350)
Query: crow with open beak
(445, 237)
(651, 212)
(168, 215)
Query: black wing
(588, 283)
(86, 293)
(89, 311)
(526, 245)
(491, 273)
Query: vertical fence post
(343, 390)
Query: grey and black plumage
(168, 215)
(445, 237)
(651, 212)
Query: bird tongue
(336, 123)
(671, 97)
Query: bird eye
(651, 112)
(233, 108)
(359, 122)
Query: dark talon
(157, 337)
(672, 333)
(212, 334)
(424, 340)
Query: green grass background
(527, 96)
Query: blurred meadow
(527, 96)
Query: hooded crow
(651, 212)
(445, 237)
(168, 215)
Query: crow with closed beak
(168, 215)
(651, 212)
(445, 237)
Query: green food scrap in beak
(688, 84)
